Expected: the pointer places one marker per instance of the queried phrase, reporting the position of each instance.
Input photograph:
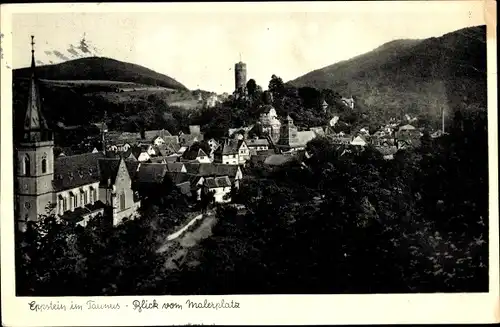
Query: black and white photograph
(237, 152)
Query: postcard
(249, 163)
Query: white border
(280, 309)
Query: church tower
(288, 133)
(34, 158)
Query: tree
(251, 87)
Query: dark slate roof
(230, 146)
(137, 150)
(152, 134)
(178, 177)
(216, 182)
(175, 166)
(77, 215)
(171, 139)
(158, 159)
(75, 171)
(257, 142)
(189, 139)
(172, 158)
(132, 167)
(193, 154)
(151, 173)
(211, 169)
(108, 169)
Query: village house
(203, 170)
(232, 152)
(197, 155)
(195, 135)
(257, 144)
(141, 153)
(240, 133)
(359, 141)
(220, 187)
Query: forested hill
(101, 69)
(414, 76)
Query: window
(44, 165)
(122, 201)
(65, 204)
(74, 201)
(27, 165)
(85, 197)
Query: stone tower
(288, 133)
(240, 76)
(34, 158)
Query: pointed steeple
(35, 126)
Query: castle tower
(240, 76)
(34, 158)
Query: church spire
(33, 54)
(35, 126)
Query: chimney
(143, 134)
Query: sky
(198, 46)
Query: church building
(74, 188)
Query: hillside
(101, 69)
(412, 76)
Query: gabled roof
(132, 167)
(175, 166)
(230, 146)
(257, 142)
(108, 169)
(152, 134)
(77, 214)
(178, 177)
(151, 173)
(171, 139)
(137, 150)
(75, 171)
(172, 158)
(193, 154)
(158, 159)
(211, 169)
(189, 139)
(216, 182)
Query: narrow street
(179, 244)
